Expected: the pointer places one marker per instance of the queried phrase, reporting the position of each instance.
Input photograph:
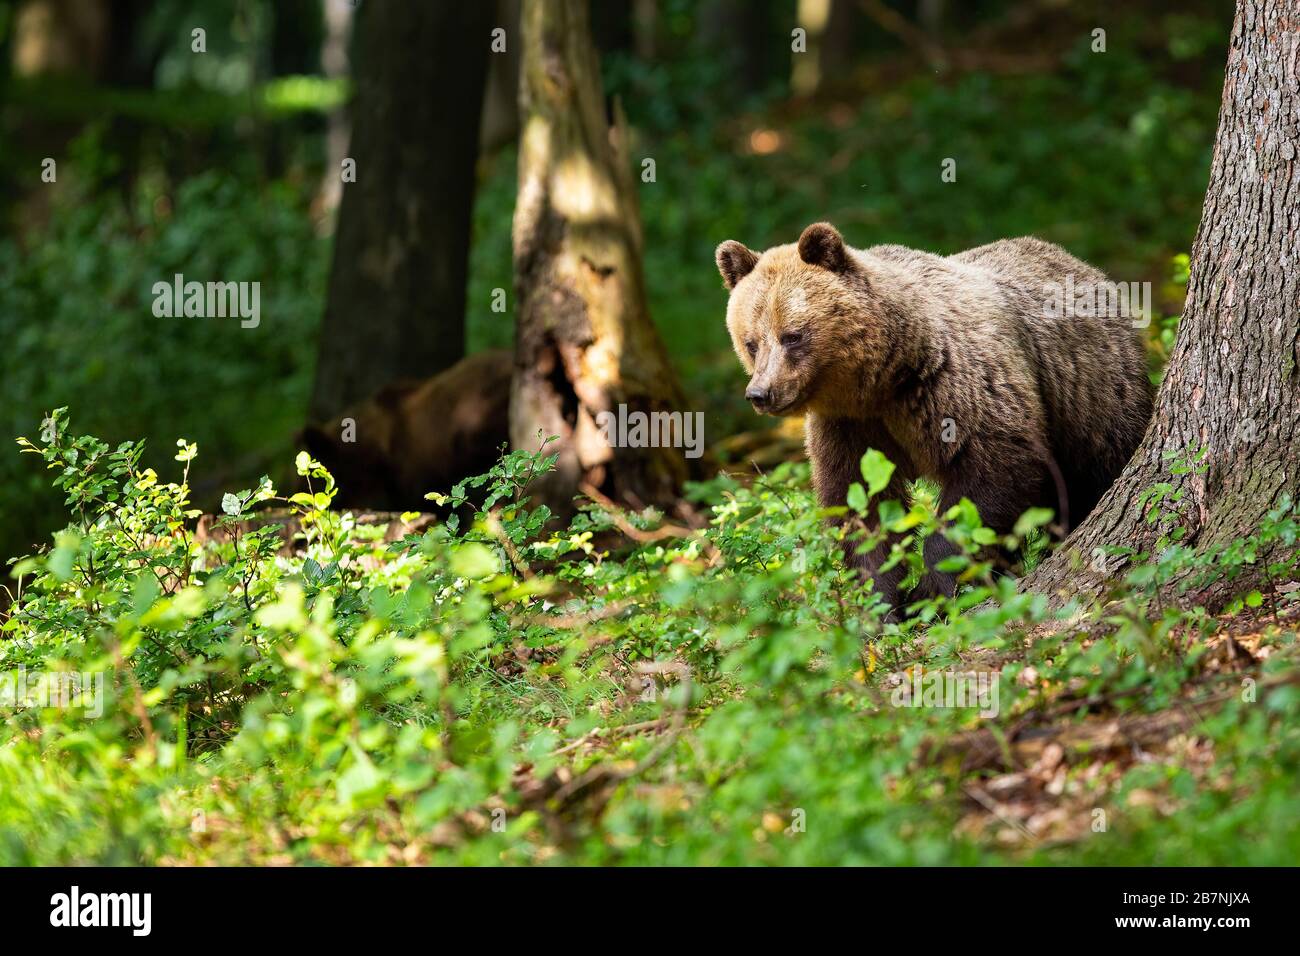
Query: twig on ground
(984, 801)
(599, 733)
(618, 515)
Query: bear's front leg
(835, 448)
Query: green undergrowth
(623, 691)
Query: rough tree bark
(1232, 385)
(585, 343)
(396, 300)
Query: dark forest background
(224, 165)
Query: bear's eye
(791, 339)
(752, 347)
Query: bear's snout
(758, 396)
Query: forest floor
(1037, 780)
(1016, 777)
(1067, 756)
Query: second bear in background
(411, 438)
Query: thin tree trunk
(741, 34)
(1232, 386)
(501, 99)
(396, 301)
(839, 44)
(645, 27)
(62, 37)
(806, 69)
(337, 18)
(612, 28)
(585, 341)
(128, 67)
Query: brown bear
(990, 371)
(411, 438)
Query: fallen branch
(600, 733)
(618, 516)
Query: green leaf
(24, 567)
(474, 560)
(1031, 519)
(230, 504)
(877, 470)
(60, 561)
(360, 779)
(857, 498)
(891, 514)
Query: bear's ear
(822, 245)
(735, 262)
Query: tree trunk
(129, 68)
(501, 99)
(585, 341)
(612, 28)
(396, 301)
(813, 68)
(335, 42)
(62, 37)
(742, 36)
(1232, 385)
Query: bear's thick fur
(411, 438)
(970, 369)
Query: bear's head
(799, 319)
